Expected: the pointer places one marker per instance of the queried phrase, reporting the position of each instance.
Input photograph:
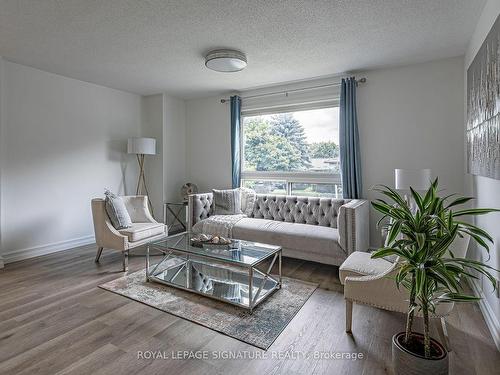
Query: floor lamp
(418, 179)
(142, 147)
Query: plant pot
(411, 361)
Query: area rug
(259, 328)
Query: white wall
(411, 117)
(152, 127)
(486, 190)
(208, 143)
(164, 118)
(62, 142)
(175, 154)
(1, 169)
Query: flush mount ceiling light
(225, 60)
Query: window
(266, 186)
(294, 152)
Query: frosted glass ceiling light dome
(225, 60)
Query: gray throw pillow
(227, 202)
(116, 210)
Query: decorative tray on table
(207, 240)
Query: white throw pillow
(247, 200)
(198, 227)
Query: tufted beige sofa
(323, 230)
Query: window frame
(288, 177)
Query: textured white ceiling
(150, 46)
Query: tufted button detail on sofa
(292, 209)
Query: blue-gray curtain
(350, 159)
(235, 140)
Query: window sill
(306, 177)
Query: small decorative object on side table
(187, 189)
(175, 214)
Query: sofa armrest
(199, 208)
(353, 226)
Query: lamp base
(142, 188)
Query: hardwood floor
(55, 320)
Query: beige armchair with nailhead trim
(371, 282)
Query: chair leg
(125, 261)
(98, 255)
(446, 338)
(348, 316)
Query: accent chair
(144, 227)
(371, 282)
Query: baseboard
(1, 262)
(488, 314)
(31, 252)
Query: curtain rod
(286, 92)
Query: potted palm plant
(421, 237)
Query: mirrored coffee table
(239, 273)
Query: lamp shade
(146, 146)
(418, 179)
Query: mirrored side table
(175, 216)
